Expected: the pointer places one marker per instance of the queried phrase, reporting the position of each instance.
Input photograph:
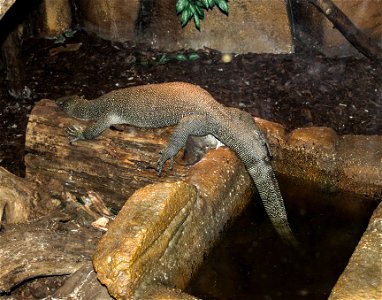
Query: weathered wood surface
(19, 199)
(82, 285)
(54, 245)
(114, 165)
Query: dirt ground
(295, 90)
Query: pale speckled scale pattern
(197, 113)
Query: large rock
(110, 19)
(251, 26)
(351, 162)
(56, 17)
(164, 230)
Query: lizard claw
(75, 133)
(165, 156)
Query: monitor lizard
(196, 113)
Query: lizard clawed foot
(165, 156)
(75, 133)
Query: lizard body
(196, 113)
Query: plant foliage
(194, 9)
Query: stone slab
(362, 278)
(164, 230)
(352, 163)
(4, 6)
(56, 17)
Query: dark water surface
(251, 262)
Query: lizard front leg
(77, 132)
(189, 125)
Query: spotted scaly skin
(196, 113)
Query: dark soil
(295, 90)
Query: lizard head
(68, 103)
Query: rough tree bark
(54, 245)
(356, 37)
(19, 199)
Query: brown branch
(356, 37)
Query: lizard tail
(269, 191)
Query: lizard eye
(66, 103)
(61, 103)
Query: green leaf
(181, 57)
(199, 11)
(70, 33)
(59, 39)
(181, 5)
(197, 21)
(211, 3)
(222, 4)
(204, 3)
(193, 56)
(185, 16)
(192, 9)
(194, 13)
(163, 59)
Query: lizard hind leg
(187, 126)
(243, 116)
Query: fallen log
(114, 165)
